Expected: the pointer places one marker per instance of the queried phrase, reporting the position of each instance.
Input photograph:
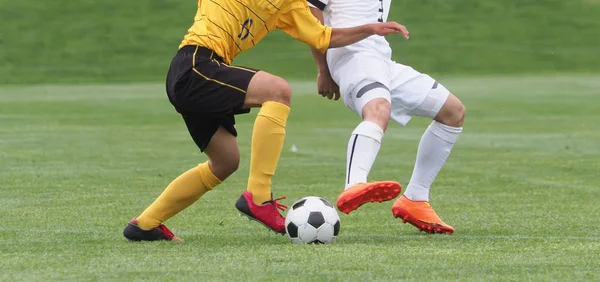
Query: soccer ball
(312, 220)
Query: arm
(325, 84)
(297, 20)
(341, 37)
(320, 58)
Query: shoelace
(281, 207)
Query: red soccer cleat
(267, 213)
(134, 233)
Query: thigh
(206, 86)
(365, 93)
(414, 93)
(267, 87)
(433, 102)
(361, 78)
(202, 128)
(223, 153)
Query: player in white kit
(377, 88)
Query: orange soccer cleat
(363, 193)
(421, 215)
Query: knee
(453, 113)
(224, 167)
(378, 111)
(462, 112)
(281, 91)
(457, 116)
(265, 87)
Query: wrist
(371, 28)
(323, 71)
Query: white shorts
(363, 77)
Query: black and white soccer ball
(312, 220)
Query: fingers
(330, 94)
(326, 94)
(337, 92)
(394, 27)
(401, 29)
(404, 32)
(327, 87)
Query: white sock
(363, 147)
(434, 149)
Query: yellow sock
(267, 140)
(180, 194)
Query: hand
(327, 87)
(386, 28)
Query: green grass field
(521, 189)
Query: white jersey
(364, 71)
(350, 13)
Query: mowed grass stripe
(485, 86)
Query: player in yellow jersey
(208, 92)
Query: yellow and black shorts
(207, 92)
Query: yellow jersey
(229, 27)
